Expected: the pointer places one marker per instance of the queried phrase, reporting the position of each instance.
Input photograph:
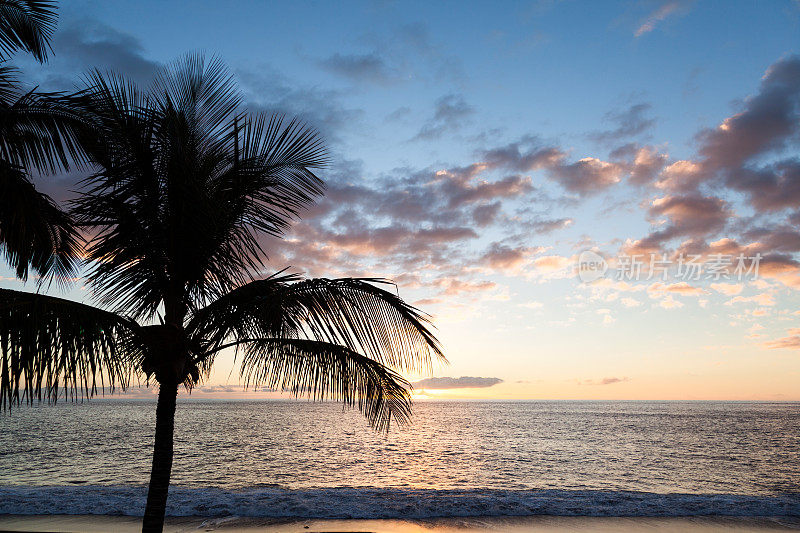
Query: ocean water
(301, 459)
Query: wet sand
(539, 524)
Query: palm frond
(263, 182)
(352, 312)
(120, 205)
(9, 83)
(202, 92)
(321, 370)
(272, 173)
(186, 185)
(34, 232)
(27, 25)
(39, 130)
(51, 347)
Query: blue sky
(478, 147)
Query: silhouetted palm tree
(36, 134)
(184, 186)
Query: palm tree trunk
(162, 459)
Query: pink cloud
(683, 288)
(664, 11)
(506, 258)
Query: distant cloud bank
(464, 382)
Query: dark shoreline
(538, 524)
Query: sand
(541, 524)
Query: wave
(346, 502)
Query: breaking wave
(277, 502)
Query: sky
(482, 154)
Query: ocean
(457, 459)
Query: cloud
(85, 44)
(782, 268)
(543, 226)
(551, 263)
(523, 156)
(89, 44)
(670, 303)
(440, 196)
(629, 122)
(506, 258)
(485, 214)
(790, 342)
(412, 51)
(369, 68)
(451, 286)
(388, 240)
(693, 216)
(771, 187)
(427, 301)
(417, 45)
(141, 392)
(612, 380)
(680, 175)
(450, 113)
(269, 91)
(731, 158)
(744, 154)
(434, 223)
(212, 389)
(587, 175)
(769, 119)
(753, 332)
(460, 189)
(774, 239)
(642, 163)
(776, 266)
(764, 299)
(657, 290)
(604, 381)
(464, 382)
(584, 176)
(425, 223)
(399, 114)
(665, 10)
(728, 289)
(729, 154)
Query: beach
(541, 524)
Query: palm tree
(36, 134)
(184, 187)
